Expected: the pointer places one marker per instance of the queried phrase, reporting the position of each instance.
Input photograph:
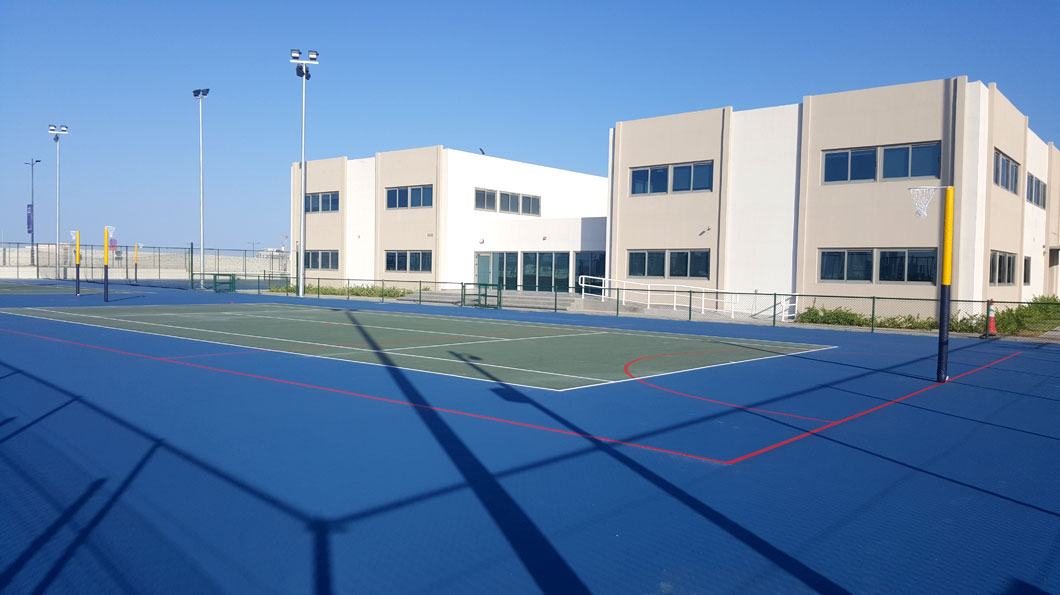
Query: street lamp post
(201, 94)
(57, 131)
(32, 208)
(302, 70)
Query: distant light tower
(201, 94)
(61, 130)
(32, 208)
(302, 70)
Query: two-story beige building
(814, 197)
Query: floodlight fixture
(196, 92)
(62, 129)
(296, 54)
(205, 92)
(51, 128)
(313, 54)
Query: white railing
(659, 295)
(753, 305)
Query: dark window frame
(394, 195)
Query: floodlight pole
(32, 208)
(302, 70)
(944, 289)
(301, 202)
(57, 131)
(200, 94)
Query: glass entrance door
(482, 268)
(591, 264)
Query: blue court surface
(173, 441)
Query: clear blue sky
(533, 81)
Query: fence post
(191, 266)
(555, 299)
(419, 289)
(259, 283)
(774, 308)
(873, 323)
(318, 287)
(382, 290)
(618, 300)
(347, 289)
(463, 293)
(689, 304)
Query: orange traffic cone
(991, 324)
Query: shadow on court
(547, 567)
(811, 578)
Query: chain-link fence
(1039, 318)
(144, 265)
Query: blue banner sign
(29, 218)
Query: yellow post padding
(136, 258)
(947, 238)
(106, 247)
(77, 251)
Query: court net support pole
(944, 290)
(106, 264)
(77, 266)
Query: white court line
(191, 328)
(279, 351)
(612, 330)
(389, 328)
(496, 341)
(675, 372)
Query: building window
(1035, 191)
(912, 161)
(321, 202)
(682, 263)
(914, 266)
(531, 205)
(485, 200)
(833, 265)
(1026, 270)
(1006, 172)
(1002, 268)
(846, 265)
(509, 202)
(406, 197)
(647, 263)
(678, 263)
(659, 177)
(903, 161)
(408, 261)
(850, 165)
(685, 177)
(703, 176)
(322, 259)
(640, 181)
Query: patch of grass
(1027, 319)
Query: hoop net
(922, 196)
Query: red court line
(676, 392)
(856, 415)
(383, 399)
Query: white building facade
(439, 215)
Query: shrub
(352, 291)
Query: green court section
(538, 355)
(27, 288)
